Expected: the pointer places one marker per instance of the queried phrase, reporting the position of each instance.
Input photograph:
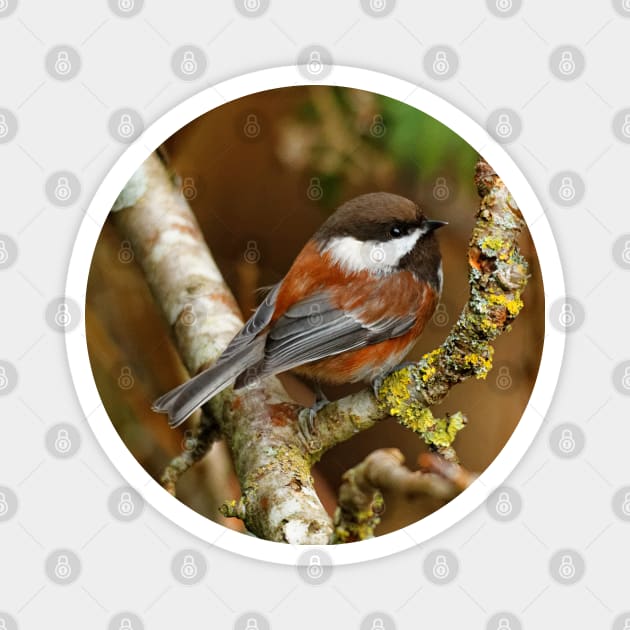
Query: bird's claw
(306, 424)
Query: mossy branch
(361, 502)
(272, 456)
(259, 424)
(497, 278)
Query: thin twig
(360, 494)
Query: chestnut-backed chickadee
(350, 308)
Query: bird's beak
(434, 225)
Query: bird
(351, 306)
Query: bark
(273, 466)
(497, 278)
(272, 451)
(360, 494)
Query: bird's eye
(396, 231)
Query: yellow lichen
(394, 392)
(437, 432)
(481, 364)
(513, 305)
(492, 243)
(419, 420)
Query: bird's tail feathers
(181, 401)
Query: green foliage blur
(421, 145)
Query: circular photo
(314, 316)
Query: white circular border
(130, 468)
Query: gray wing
(314, 329)
(244, 351)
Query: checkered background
(80, 79)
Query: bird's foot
(306, 422)
(377, 383)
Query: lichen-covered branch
(271, 453)
(273, 466)
(497, 278)
(196, 447)
(360, 495)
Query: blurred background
(261, 174)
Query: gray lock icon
(189, 568)
(126, 5)
(625, 128)
(377, 5)
(252, 5)
(315, 317)
(567, 63)
(125, 378)
(125, 126)
(125, 624)
(440, 63)
(567, 189)
(4, 254)
(125, 253)
(567, 441)
(440, 568)
(315, 570)
(378, 254)
(504, 624)
(62, 569)
(252, 126)
(252, 253)
(315, 65)
(504, 126)
(567, 315)
(63, 444)
(440, 317)
(504, 378)
(504, 5)
(188, 188)
(62, 63)
(189, 63)
(62, 189)
(4, 379)
(377, 128)
(4, 128)
(315, 190)
(125, 505)
(504, 505)
(440, 190)
(188, 316)
(566, 568)
(63, 318)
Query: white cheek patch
(440, 275)
(377, 257)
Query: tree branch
(273, 466)
(497, 278)
(361, 502)
(271, 453)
